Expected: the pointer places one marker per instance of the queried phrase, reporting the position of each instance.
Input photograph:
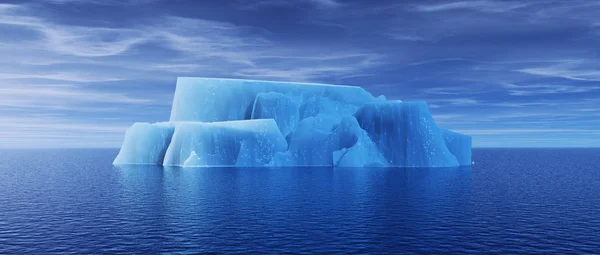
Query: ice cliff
(245, 123)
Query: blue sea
(511, 201)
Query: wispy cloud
(314, 67)
(327, 3)
(585, 10)
(453, 90)
(571, 71)
(455, 101)
(522, 104)
(446, 117)
(53, 132)
(238, 49)
(540, 89)
(298, 74)
(100, 2)
(210, 38)
(60, 76)
(527, 131)
(72, 40)
(478, 5)
(433, 61)
(287, 3)
(41, 124)
(407, 37)
(59, 96)
(589, 110)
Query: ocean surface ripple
(511, 201)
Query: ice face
(209, 100)
(459, 145)
(244, 123)
(145, 144)
(346, 144)
(232, 143)
(406, 134)
(195, 144)
(278, 107)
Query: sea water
(511, 201)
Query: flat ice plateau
(246, 123)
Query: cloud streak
(528, 131)
(479, 5)
(566, 71)
(50, 132)
(541, 89)
(237, 48)
(73, 40)
(58, 95)
(260, 4)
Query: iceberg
(247, 123)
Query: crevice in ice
(253, 108)
(163, 153)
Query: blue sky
(77, 73)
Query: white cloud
(406, 37)
(540, 89)
(100, 2)
(257, 4)
(434, 61)
(209, 40)
(190, 36)
(231, 48)
(326, 3)
(571, 71)
(16, 123)
(478, 5)
(295, 74)
(4, 7)
(60, 76)
(60, 97)
(446, 117)
(526, 131)
(522, 104)
(453, 90)
(53, 132)
(72, 40)
(455, 101)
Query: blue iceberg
(246, 123)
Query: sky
(77, 73)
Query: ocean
(511, 201)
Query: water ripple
(513, 201)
